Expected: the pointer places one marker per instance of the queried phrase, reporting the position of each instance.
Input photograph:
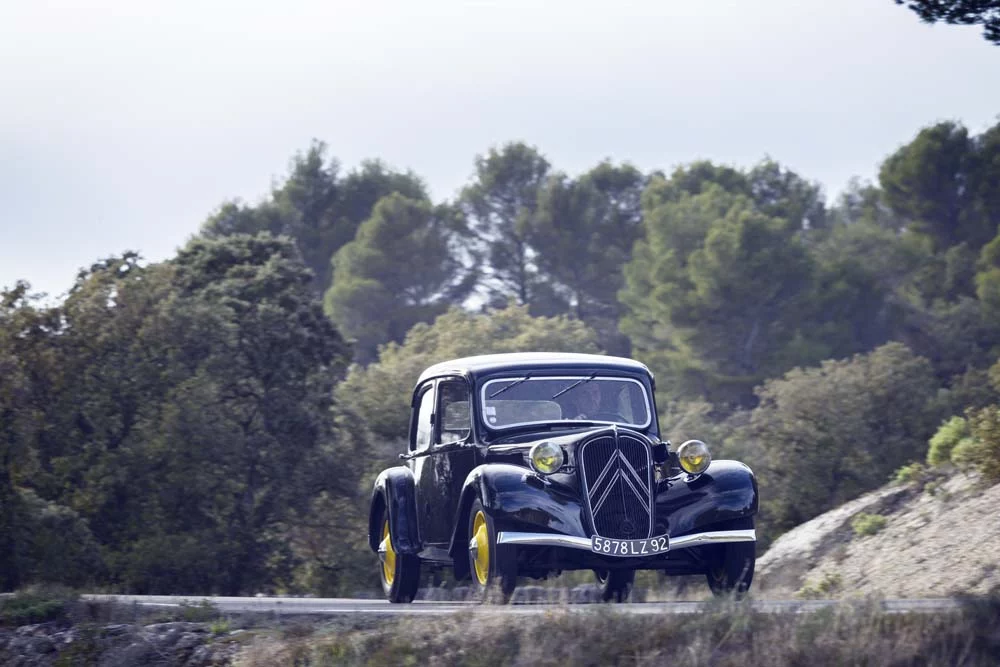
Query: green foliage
(330, 538)
(717, 290)
(829, 433)
(501, 204)
(913, 472)
(960, 12)
(981, 451)
(865, 524)
(824, 589)
(403, 267)
(583, 233)
(316, 207)
(944, 441)
(35, 605)
(928, 182)
(202, 611)
(378, 397)
(180, 413)
(57, 545)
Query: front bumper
(583, 543)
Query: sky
(124, 124)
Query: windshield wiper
(575, 384)
(510, 386)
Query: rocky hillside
(931, 537)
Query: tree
(781, 193)
(830, 433)
(943, 183)
(584, 233)
(717, 294)
(316, 207)
(863, 202)
(377, 397)
(403, 267)
(960, 12)
(178, 412)
(501, 205)
(239, 438)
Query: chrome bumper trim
(682, 542)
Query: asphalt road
(345, 606)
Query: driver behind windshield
(586, 402)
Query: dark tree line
(186, 423)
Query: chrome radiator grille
(617, 476)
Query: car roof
(489, 363)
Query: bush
(981, 451)
(35, 605)
(829, 434)
(914, 472)
(826, 587)
(868, 524)
(944, 441)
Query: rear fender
(395, 489)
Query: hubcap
(481, 553)
(388, 555)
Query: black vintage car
(525, 465)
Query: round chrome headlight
(546, 457)
(694, 456)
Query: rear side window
(455, 416)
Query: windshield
(529, 400)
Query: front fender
(726, 491)
(395, 490)
(517, 497)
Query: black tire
(399, 573)
(730, 566)
(493, 568)
(616, 585)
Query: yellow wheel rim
(389, 564)
(482, 537)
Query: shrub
(948, 436)
(35, 605)
(868, 524)
(914, 472)
(829, 585)
(981, 451)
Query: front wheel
(730, 566)
(616, 585)
(400, 573)
(492, 566)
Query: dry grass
(727, 635)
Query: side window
(455, 417)
(423, 428)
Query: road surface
(346, 606)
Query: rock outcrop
(119, 645)
(940, 537)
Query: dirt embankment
(936, 537)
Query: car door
(418, 456)
(453, 454)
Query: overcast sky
(123, 124)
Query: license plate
(648, 547)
